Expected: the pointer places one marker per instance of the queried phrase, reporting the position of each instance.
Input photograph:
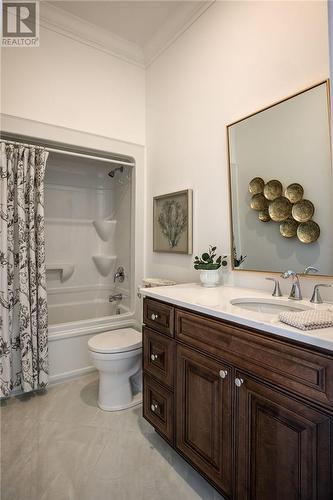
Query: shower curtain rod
(73, 153)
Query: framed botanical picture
(173, 222)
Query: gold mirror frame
(231, 235)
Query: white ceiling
(144, 26)
(136, 21)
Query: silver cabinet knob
(154, 316)
(239, 382)
(223, 373)
(153, 407)
(154, 357)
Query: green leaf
(205, 256)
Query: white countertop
(216, 303)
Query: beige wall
(70, 84)
(238, 57)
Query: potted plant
(209, 266)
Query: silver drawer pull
(154, 357)
(223, 373)
(153, 407)
(239, 382)
(154, 316)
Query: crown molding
(71, 26)
(67, 24)
(173, 28)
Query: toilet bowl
(117, 356)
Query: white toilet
(117, 356)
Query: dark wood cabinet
(158, 407)
(158, 356)
(253, 413)
(282, 445)
(203, 419)
(158, 316)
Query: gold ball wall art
(272, 190)
(257, 185)
(303, 211)
(294, 192)
(286, 207)
(280, 209)
(288, 228)
(258, 202)
(264, 215)
(307, 232)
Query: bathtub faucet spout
(116, 297)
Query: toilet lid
(125, 339)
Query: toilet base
(137, 400)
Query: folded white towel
(308, 320)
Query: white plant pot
(210, 278)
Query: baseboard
(63, 377)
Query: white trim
(71, 26)
(63, 377)
(173, 28)
(67, 24)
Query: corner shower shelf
(66, 270)
(104, 228)
(104, 263)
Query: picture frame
(173, 222)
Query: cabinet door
(283, 447)
(203, 420)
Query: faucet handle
(288, 273)
(310, 269)
(316, 297)
(277, 290)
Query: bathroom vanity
(246, 400)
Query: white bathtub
(72, 324)
(81, 311)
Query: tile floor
(60, 446)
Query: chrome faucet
(316, 297)
(295, 292)
(277, 290)
(116, 297)
(119, 275)
(310, 269)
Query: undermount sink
(267, 306)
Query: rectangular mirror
(281, 191)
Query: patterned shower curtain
(23, 299)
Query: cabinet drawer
(158, 407)
(158, 356)
(295, 368)
(158, 316)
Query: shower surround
(88, 236)
(79, 308)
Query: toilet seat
(116, 341)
